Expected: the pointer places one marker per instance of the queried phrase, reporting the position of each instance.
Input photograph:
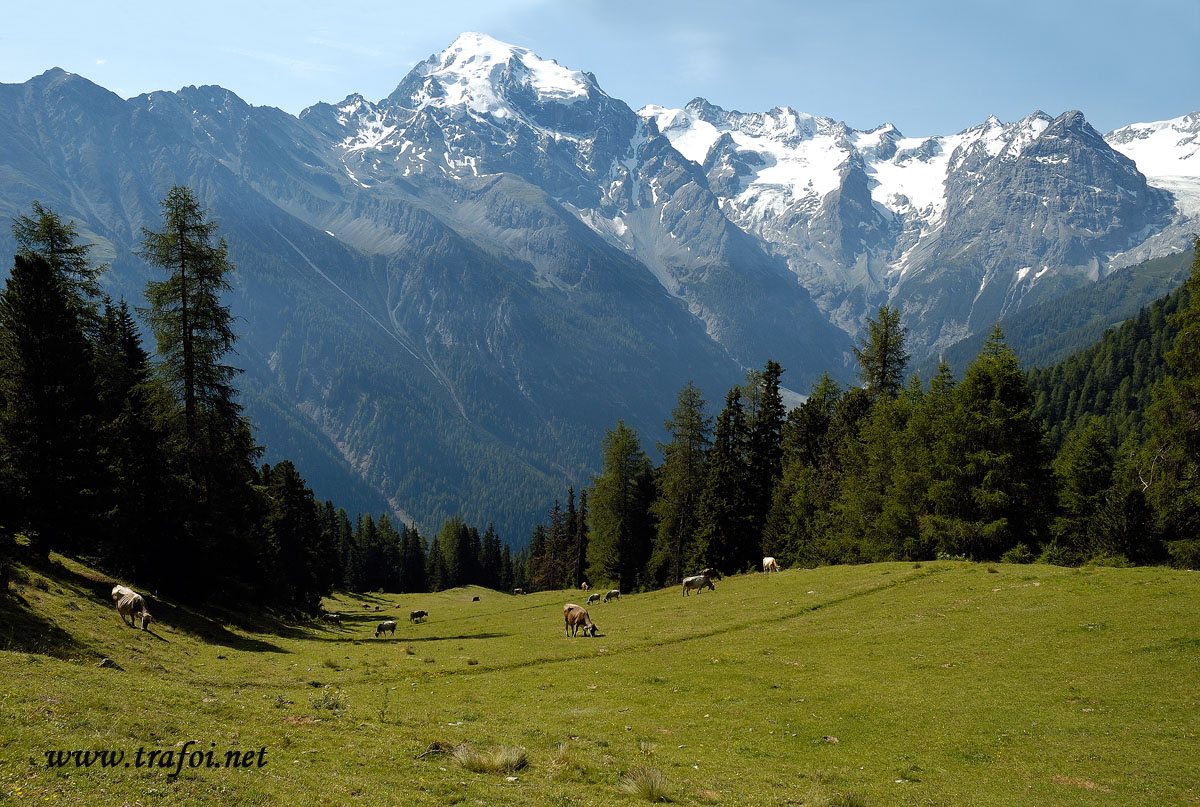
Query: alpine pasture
(943, 683)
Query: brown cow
(576, 617)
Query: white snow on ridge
(1168, 153)
(468, 69)
(1162, 148)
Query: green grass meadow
(944, 683)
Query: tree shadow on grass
(406, 639)
(24, 630)
(208, 627)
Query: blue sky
(928, 66)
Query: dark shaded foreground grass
(944, 683)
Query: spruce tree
(681, 479)
(1170, 465)
(724, 525)
(48, 410)
(993, 486)
(621, 528)
(55, 239)
(764, 447)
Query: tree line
(1101, 465)
(144, 463)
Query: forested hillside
(1051, 331)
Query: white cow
(770, 565)
(697, 583)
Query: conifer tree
(621, 528)
(724, 524)
(581, 538)
(490, 561)
(681, 480)
(193, 329)
(1170, 468)
(993, 485)
(47, 410)
(881, 355)
(48, 235)
(764, 423)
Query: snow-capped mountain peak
(481, 74)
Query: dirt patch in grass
(1074, 781)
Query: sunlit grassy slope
(938, 684)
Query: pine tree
(193, 330)
(681, 479)
(620, 523)
(489, 558)
(581, 538)
(724, 527)
(48, 409)
(1170, 468)
(993, 485)
(1083, 471)
(764, 447)
(192, 326)
(137, 493)
(881, 355)
(48, 235)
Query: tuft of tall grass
(646, 783)
(502, 759)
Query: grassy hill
(938, 683)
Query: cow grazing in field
(387, 626)
(334, 618)
(697, 583)
(584, 585)
(594, 598)
(615, 594)
(417, 616)
(517, 591)
(474, 599)
(770, 565)
(576, 617)
(710, 573)
(131, 606)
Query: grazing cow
(770, 565)
(697, 583)
(474, 599)
(594, 598)
(132, 605)
(417, 616)
(576, 617)
(710, 573)
(584, 585)
(335, 618)
(387, 626)
(517, 591)
(366, 605)
(613, 595)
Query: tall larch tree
(881, 355)
(193, 330)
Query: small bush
(503, 759)
(1018, 554)
(1056, 554)
(1112, 561)
(648, 784)
(1184, 554)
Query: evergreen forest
(140, 459)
